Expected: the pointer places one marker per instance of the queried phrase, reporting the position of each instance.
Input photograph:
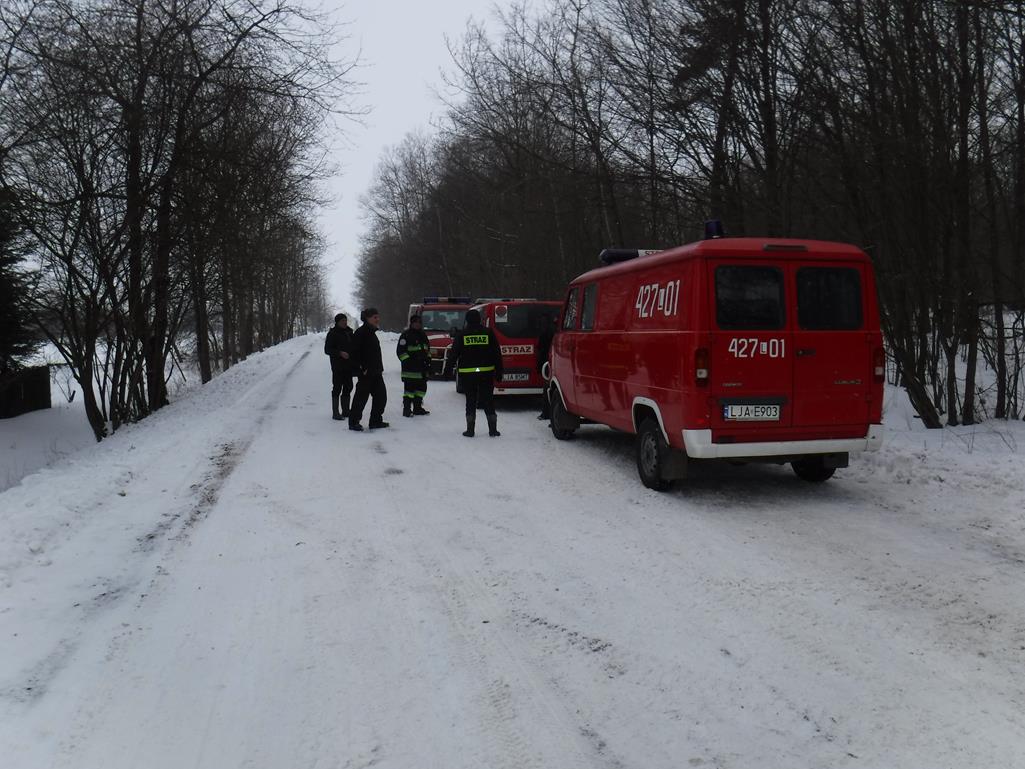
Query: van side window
(749, 297)
(569, 317)
(829, 298)
(590, 303)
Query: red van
(518, 324)
(440, 314)
(744, 349)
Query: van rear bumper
(699, 446)
(518, 390)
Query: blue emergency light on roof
(485, 299)
(714, 229)
(446, 300)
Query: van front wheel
(651, 448)
(559, 417)
(812, 470)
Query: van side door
(832, 347)
(750, 381)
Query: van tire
(812, 470)
(559, 416)
(651, 449)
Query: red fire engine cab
(440, 314)
(518, 323)
(745, 349)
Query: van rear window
(749, 297)
(829, 298)
(526, 321)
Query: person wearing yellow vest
(477, 359)
(414, 351)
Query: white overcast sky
(403, 54)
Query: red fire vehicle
(440, 314)
(744, 349)
(518, 323)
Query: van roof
(744, 248)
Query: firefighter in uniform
(414, 351)
(477, 358)
(338, 347)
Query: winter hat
(473, 317)
(369, 311)
(341, 316)
(414, 319)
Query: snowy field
(239, 581)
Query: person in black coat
(414, 352)
(338, 347)
(366, 355)
(477, 358)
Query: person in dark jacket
(477, 358)
(544, 346)
(338, 347)
(414, 351)
(366, 354)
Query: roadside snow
(239, 581)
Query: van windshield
(525, 321)
(749, 297)
(442, 320)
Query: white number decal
(741, 347)
(653, 297)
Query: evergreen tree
(18, 338)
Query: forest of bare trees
(897, 125)
(162, 159)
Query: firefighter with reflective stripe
(414, 351)
(477, 357)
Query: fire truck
(518, 323)
(744, 349)
(440, 315)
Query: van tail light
(878, 365)
(701, 366)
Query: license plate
(738, 413)
(515, 377)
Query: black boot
(470, 422)
(407, 408)
(334, 407)
(493, 425)
(418, 407)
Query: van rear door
(832, 349)
(751, 370)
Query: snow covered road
(238, 581)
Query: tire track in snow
(525, 726)
(33, 682)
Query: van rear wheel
(812, 470)
(651, 449)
